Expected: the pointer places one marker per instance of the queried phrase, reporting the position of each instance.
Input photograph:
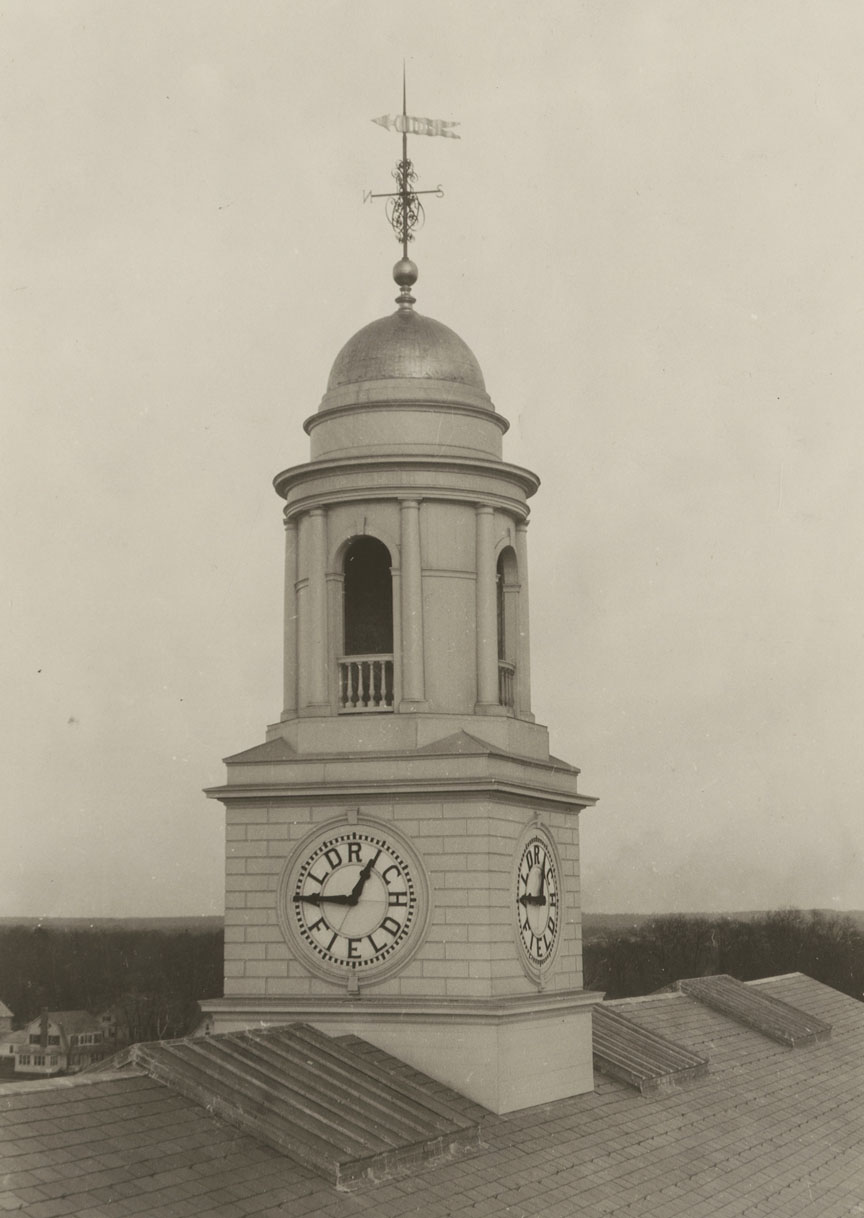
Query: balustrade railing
(365, 684)
(505, 683)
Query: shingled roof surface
(770, 1131)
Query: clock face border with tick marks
(538, 900)
(354, 900)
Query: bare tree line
(153, 978)
(827, 947)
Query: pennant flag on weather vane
(408, 125)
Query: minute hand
(315, 898)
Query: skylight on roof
(772, 1017)
(625, 1051)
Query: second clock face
(537, 899)
(352, 898)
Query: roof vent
(770, 1016)
(625, 1051)
(315, 1099)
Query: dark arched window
(368, 591)
(507, 589)
(366, 668)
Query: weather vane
(404, 209)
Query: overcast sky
(652, 240)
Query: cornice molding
(399, 464)
(426, 406)
(494, 1011)
(299, 507)
(401, 791)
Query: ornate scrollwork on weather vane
(404, 209)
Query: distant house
(9, 1046)
(203, 1026)
(114, 1026)
(9, 1040)
(61, 1041)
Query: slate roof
(70, 1021)
(770, 1132)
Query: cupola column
(312, 606)
(289, 702)
(487, 614)
(523, 654)
(413, 683)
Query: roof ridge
(61, 1082)
(637, 998)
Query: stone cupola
(406, 560)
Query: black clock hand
(315, 898)
(542, 893)
(361, 881)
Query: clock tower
(402, 850)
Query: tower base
(503, 1053)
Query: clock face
(353, 899)
(537, 899)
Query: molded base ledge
(314, 710)
(503, 1053)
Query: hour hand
(361, 880)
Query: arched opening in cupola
(366, 666)
(507, 587)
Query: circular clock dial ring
(538, 900)
(354, 900)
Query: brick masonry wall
(468, 848)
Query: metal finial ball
(405, 273)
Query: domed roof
(406, 345)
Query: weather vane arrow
(404, 209)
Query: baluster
(365, 684)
